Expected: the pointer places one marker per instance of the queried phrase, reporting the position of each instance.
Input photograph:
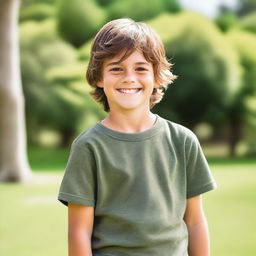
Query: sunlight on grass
(231, 211)
(32, 221)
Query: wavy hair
(126, 35)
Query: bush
(55, 96)
(37, 12)
(84, 51)
(248, 22)
(227, 21)
(137, 10)
(246, 6)
(207, 68)
(34, 33)
(172, 6)
(250, 127)
(79, 20)
(244, 110)
(245, 44)
(105, 2)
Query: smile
(129, 91)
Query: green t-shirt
(138, 184)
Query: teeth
(128, 90)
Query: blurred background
(45, 103)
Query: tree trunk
(67, 137)
(234, 136)
(13, 158)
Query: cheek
(110, 80)
(149, 79)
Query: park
(45, 103)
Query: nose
(129, 77)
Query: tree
(246, 6)
(13, 159)
(37, 11)
(79, 20)
(208, 72)
(250, 136)
(248, 22)
(141, 10)
(226, 21)
(53, 81)
(242, 112)
(104, 2)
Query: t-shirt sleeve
(199, 176)
(78, 183)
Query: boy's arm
(198, 237)
(80, 225)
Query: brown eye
(141, 69)
(116, 69)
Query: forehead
(134, 57)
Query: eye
(116, 69)
(141, 69)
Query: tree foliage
(79, 20)
(245, 44)
(207, 69)
(226, 21)
(216, 71)
(248, 22)
(141, 10)
(249, 129)
(37, 12)
(53, 101)
(246, 6)
(105, 2)
(243, 111)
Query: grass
(54, 159)
(48, 159)
(231, 210)
(33, 222)
(231, 161)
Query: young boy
(133, 181)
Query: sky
(208, 8)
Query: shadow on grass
(55, 159)
(48, 159)
(231, 160)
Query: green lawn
(32, 222)
(48, 159)
(231, 210)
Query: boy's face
(128, 85)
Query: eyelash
(115, 69)
(119, 69)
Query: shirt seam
(68, 194)
(128, 140)
(200, 189)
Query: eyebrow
(118, 63)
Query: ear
(100, 84)
(156, 85)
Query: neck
(130, 122)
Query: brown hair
(126, 35)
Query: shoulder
(86, 138)
(180, 132)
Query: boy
(133, 181)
